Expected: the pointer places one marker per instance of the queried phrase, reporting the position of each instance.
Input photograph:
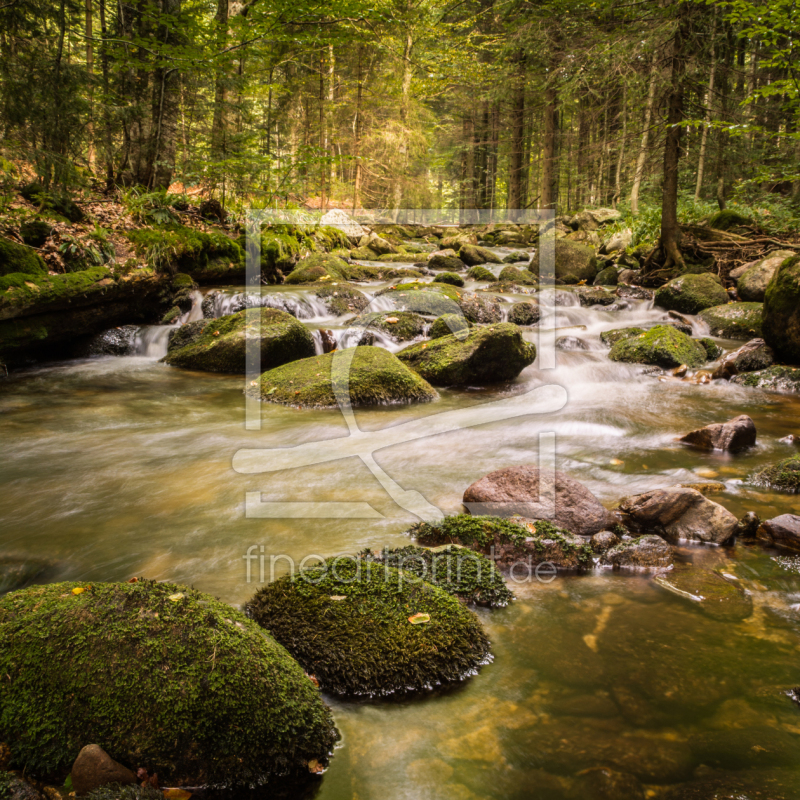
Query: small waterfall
(151, 341)
(196, 311)
(218, 304)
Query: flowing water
(114, 467)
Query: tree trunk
(517, 138)
(642, 157)
(90, 87)
(701, 160)
(357, 139)
(548, 190)
(621, 154)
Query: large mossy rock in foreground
(363, 628)
(161, 677)
(734, 320)
(662, 346)
(782, 311)
(485, 355)
(220, 345)
(17, 258)
(574, 262)
(373, 376)
(690, 294)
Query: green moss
(784, 476)
(607, 277)
(596, 296)
(409, 258)
(690, 294)
(516, 257)
(734, 320)
(406, 327)
(182, 281)
(480, 273)
(20, 291)
(429, 299)
(331, 237)
(317, 266)
(363, 254)
(114, 791)
(342, 299)
(448, 324)
(51, 200)
(347, 623)
(782, 311)
(220, 345)
(776, 379)
(19, 259)
(376, 377)
(359, 272)
(449, 277)
(171, 316)
(35, 232)
(727, 219)
(574, 262)
(514, 275)
(713, 350)
(225, 704)
(486, 355)
(460, 571)
(663, 346)
(279, 253)
(524, 314)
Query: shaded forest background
(465, 104)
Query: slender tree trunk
(108, 148)
(725, 91)
(517, 137)
(405, 108)
(642, 157)
(357, 139)
(89, 72)
(701, 160)
(323, 170)
(621, 154)
(548, 189)
(329, 123)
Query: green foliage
(464, 529)
(347, 622)
(152, 208)
(226, 704)
(5, 785)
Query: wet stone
(715, 595)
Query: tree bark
(642, 157)
(90, 87)
(701, 159)
(517, 137)
(548, 189)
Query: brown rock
(603, 541)
(747, 527)
(734, 435)
(644, 553)
(515, 490)
(679, 515)
(750, 357)
(783, 531)
(94, 768)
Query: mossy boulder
(460, 571)
(341, 299)
(728, 219)
(509, 541)
(480, 273)
(19, 259)
(400, 258)
(610, 338)
(449, 277)
(734, 320)
(363, 628)
(783, 476)
(607, 277)
(486, 355)
(525, 314)
(472, 255)
(520, 276)
(279, 252)
(400, 326)
(435, 299)
(782, 311)
(574, 262)
(713, 350)
(35, 232)
(52, 200)
(220, 345)
(596, 296)
(225, 703)
(372, 375)
(447, 324)
(752, 284)
(316, 267)
(516, 257)
(776, 379)
(361, 272)
(448, 263)
(691, 294)
(662, 346)
(363, 254)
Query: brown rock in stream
(783, 531)
(94, 768)
(750, 357)
(734, 435)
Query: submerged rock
(782, 311)
(525, 314)
(363, 628)
(569, 343)
(601, 783)
(746, 749)
(750, 357)
(734, 320)
(784, 476)
(747, 527)
(643, 553)
(485, 355)
(515, 490)
(604, 540)
(596, 296)
(715, 595)
(734, 435)
(448, 263)
(517, 544)
(783, 531)
(680, 515)
(102, 653)
(785, 380)
(661, 346)
(372, 375)
(690, 294)
(220, 345)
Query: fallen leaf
(419, 619)
(338, 597)
(177, 794)
(391, 320)
(78, 590)
(315, 767)
(176, 597)
(615, 462)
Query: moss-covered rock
(220, 345)
(363, 254)
(447, 324)
(225, 703)
(35, 232)
(401, 326)
(607, 277)
(782, 311)
(525, 314)
(316, 267)
(516, 257)
(280, 250)
(728, 219)
(435, 299)
(18, 258)
(574, 262)
(776, 379)
(610, 338)
(784, 476)
(458, 570)
(752, 284)
(400, 258)
(713, 350)
(341, 299)
(448, 263)
(363, 628)
(52, 200)
(663, 346)
(508, 541)
(486, 355)
(480, 273)
(596, 296)
(520, 276)
(734, 320)
(374, 377)
(449, 277)
(472, 255)
(360, 272)
(690, 294)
